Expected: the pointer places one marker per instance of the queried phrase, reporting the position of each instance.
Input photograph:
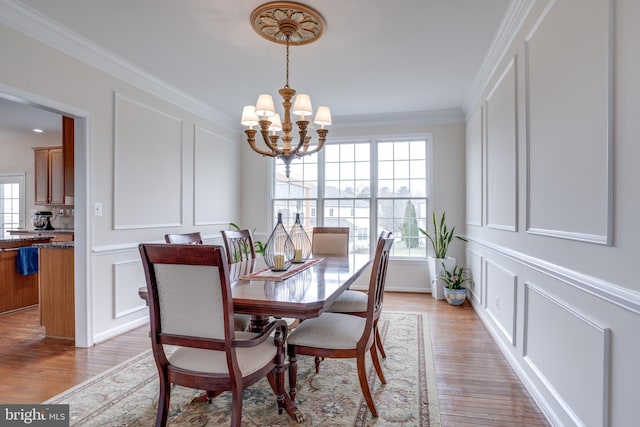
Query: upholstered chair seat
(331, 330)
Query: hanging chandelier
(286, 23)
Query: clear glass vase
(301, 242)
(279, 249)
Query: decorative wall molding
(213, 164)
(151, 135)
(614, 294)
(559, 126)
(596, 357)
(512, 21)
(34, 24)
(475, 263)
(501, 151)
(213, 239)
(475, 169)
(505, 321)
(127, 276)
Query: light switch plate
(97, 209)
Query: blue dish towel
(27, 260)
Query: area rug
(126, 395)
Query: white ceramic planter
(435, 270)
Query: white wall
(122, 162)
(445, 130)
(552, 208)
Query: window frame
(373, 176)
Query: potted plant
(440, 239)
(454, 291)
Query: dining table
(304, 291)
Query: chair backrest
(385, 234)
(239, 245)
(189, 296)
(378, 278)
(192, 238)
(330, 241)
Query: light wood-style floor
(476, 385)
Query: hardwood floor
(476, 385)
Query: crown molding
(39, 27)
(509, 26)
(417, 117)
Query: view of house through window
(11, 201)
(368, 186)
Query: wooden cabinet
(57, 310)
(67, 150)
(49, 175)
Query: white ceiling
(375, 57)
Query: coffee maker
(42, 220)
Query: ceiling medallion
(276, 20)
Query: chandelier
(286, 23)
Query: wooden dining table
(306, 294)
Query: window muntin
(368, 186)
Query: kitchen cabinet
(49, 175)
(67, 151)
(57, 310)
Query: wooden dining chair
(186, 238)
(330, 241)
(339, 335)
(355, 303)
(241, 321)
(191, 307)
(239, 245)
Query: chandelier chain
(286, 82)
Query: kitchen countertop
(56, 245)
(20, 237)
(55, 230)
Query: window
(12, 203)
(366, 185)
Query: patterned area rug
(126, 396)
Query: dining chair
(186, 238)
(241, 321)
(339, 335)
(330, 241)
(191, 307)
(239, 245)
(355, 303)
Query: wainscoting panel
(569, 121)
(128, 276)
(474, 263)
(579, 384)
(155, 184)
(215, 164)
(501, 151)
(474, 170)
(500, 301)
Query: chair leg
(236, 405)
(293, 372)
(379, 341)
(163, 401)
(318, 360)
(364, 385)
(376, 364)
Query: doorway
(82, 288)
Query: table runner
(279, 276)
